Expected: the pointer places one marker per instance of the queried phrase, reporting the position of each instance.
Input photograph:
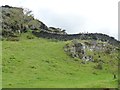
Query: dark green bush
(30, 37)
(107, 51)
(99, 66)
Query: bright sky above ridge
(74, 15)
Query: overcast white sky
(74, 15)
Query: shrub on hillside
(30, 37)
(54, 40)
(12, 39)
(99, 66)
(108, 51)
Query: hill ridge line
(82, 36)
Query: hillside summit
(37, 56)
(18, 20)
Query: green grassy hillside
(42, 63)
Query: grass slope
(41, 63)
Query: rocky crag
(16, 21)
(89, 50)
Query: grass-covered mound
(42, 63)
(29, 61)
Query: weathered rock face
(84, 50)
(14, 20)
(75, 49)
